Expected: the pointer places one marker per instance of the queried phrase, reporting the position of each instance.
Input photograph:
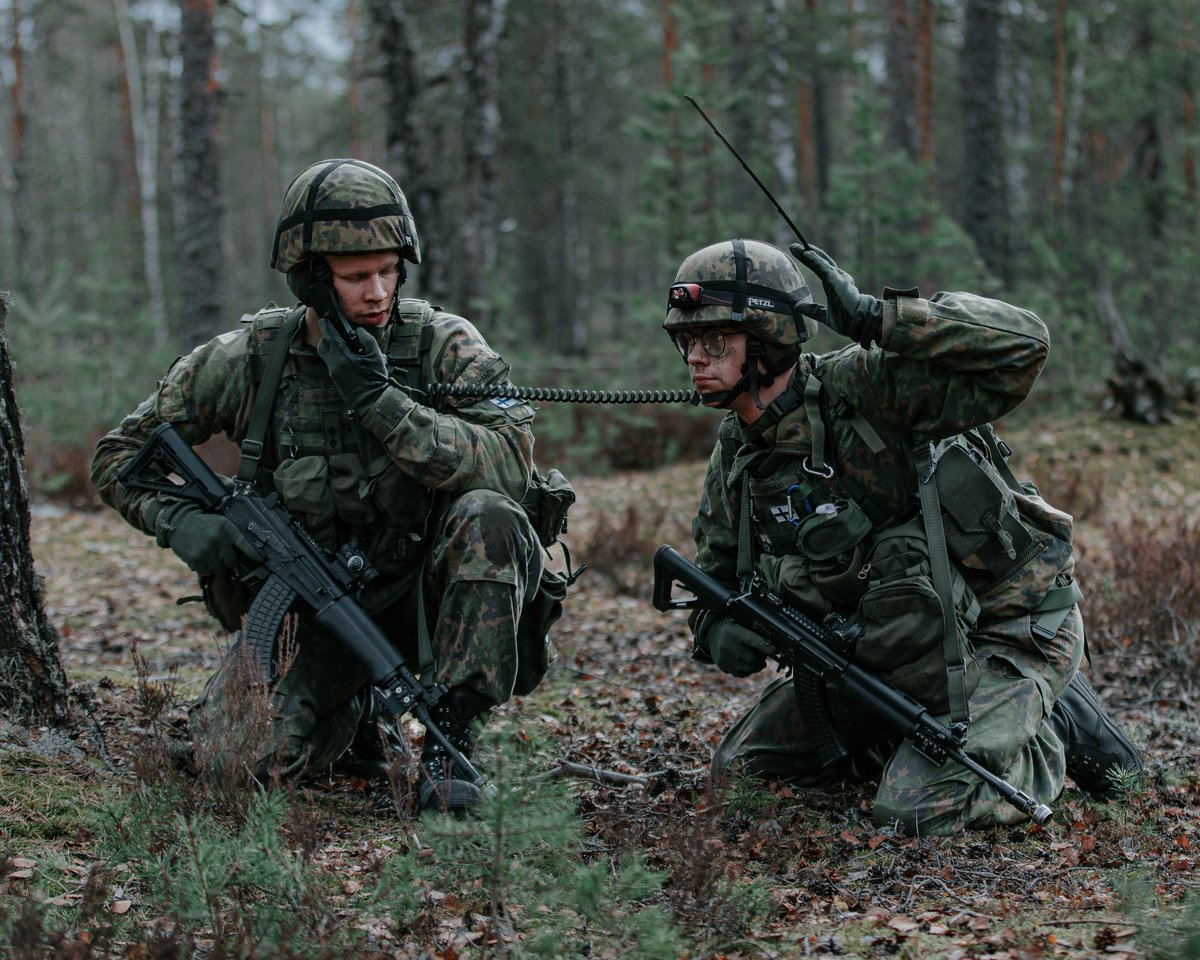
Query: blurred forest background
(1042, 151)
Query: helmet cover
(743, 284)
(341, 206)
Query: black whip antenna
(753, 176)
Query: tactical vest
(329, 471)
(921, 541)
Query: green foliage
(1167, 929)
(525, 853)
(79, 368)
(232, 881)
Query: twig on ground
(568, 768)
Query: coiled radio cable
(508, 391)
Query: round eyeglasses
(712, 342)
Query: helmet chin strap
(752, 379)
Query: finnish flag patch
(505, 402)
(783, 514)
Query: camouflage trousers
(1022, 676)
(483, 566)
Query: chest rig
(832, 483)
(328, 469)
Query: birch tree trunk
(485, 27)
(33, 686)
(200, 238)
(143, 90)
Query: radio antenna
(753, 176)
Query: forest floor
(625, 724)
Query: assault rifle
(293, 567)
(810, 650)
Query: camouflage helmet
(745, 284)
(340, 207)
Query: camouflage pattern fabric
(344, 187)
(484, 565)
(381, 477)
(763, 266)
(1009, 734)
(945, 365)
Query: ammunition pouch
(982, 524)
(546, 503)
(535, 649)
(226, 598)
(901, 617)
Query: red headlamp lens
(685, 296)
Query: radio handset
(324, 299)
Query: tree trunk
(1060, 103)
(33, 685)
(1147, 145)
(1018, 86)
(740, 128)
(984, 195)
(412, 146)
(201, 263)
(1136, 387)
(901, 79)
(571, 254)
(29, 265)
(142, 89)
(670, 46)
(485, 27)
(813, 130)
(779, 126)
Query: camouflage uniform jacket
(373, 480)
(945, 365)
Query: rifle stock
(293, 567)
(806, 647)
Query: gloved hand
(359, 377)
(206, 542)
(852, 314)
(736, 650)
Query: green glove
(359, 377)
(852, 314)
(206, 542)
(736, 650)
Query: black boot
(440, 789)
(1095, 745)
(377, 738)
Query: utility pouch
(546, 503)
(226, 598)
(346, 476)
(901, 617)
(833, 538)
(982, 525)
(303, 486)
(535, 650)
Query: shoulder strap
(264, 400)
(411, 340)
(939, 563)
